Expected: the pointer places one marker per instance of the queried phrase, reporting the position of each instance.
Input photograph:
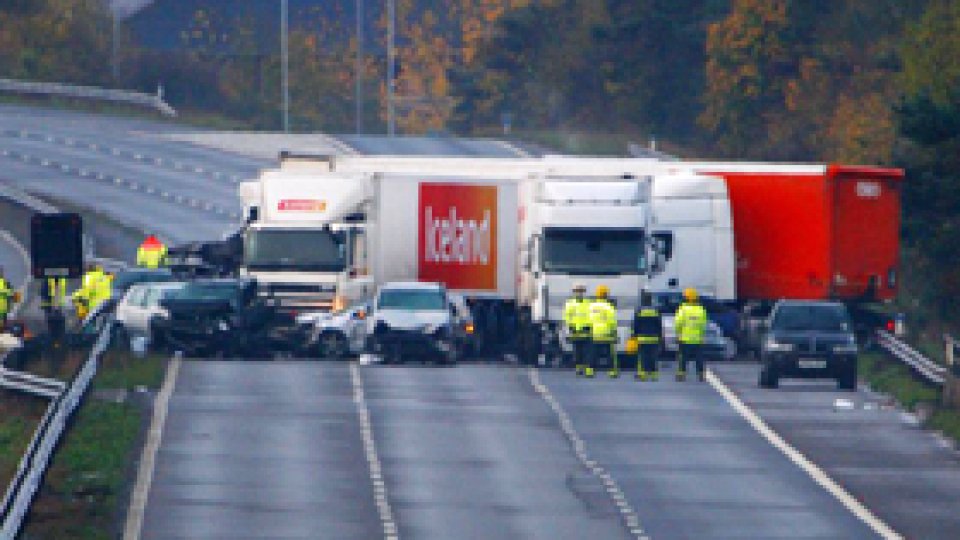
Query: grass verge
(897, 380)
(84, 493)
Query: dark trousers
(649, 352)
(581, 351)
(603, 354)
(693, 353)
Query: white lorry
(512, 235)
(303, 238)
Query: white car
(335, 335)
(412, 320)
(138, 310)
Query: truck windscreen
(594, 251)
(294, 249)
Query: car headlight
(772, 345)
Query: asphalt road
(908, 476)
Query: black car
(808, 340)
(218, 317)
(132, 276)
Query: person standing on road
(690, 325)
(576, 318)
(603, 329)
(647, 334)
(152, 253)
(7, 298)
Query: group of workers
(96, 285)
(591, 329)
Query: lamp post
(391, 65)
(359, 67)
(285, 62)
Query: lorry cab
(586, 230)
(303, 241)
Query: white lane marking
(380, 495)
(630, 518)
(812, 470)
(141, 490)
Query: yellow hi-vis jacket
(6, 296)
(576, 316)
(95, 289)
(603, 321)
(690, 323)
(56, 293)
(151, 254)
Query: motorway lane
(262, 450)
(907, 476)
(692, 467)
(472, 452)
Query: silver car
(412, 320)
(139, 309)
(335, 335)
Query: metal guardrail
(93, 93)
(33, 465)
(927, 368)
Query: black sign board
(56, 245)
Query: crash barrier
(92, 93)
(927, 368)
(34, 463)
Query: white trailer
(618, 222)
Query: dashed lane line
(141, 490)
(119, 152)
(629, 516)
(119, 181)
(813, 471)
(380, 494)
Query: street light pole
(114, 46)
(359, 76)
(285, 62)
(391, 65)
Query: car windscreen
(593, 251)
(819, 318)
(125, 280)
(208, 292)
(412, 300)
(315, 250)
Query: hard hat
(603, 291)
(579, 287)
(690, 294)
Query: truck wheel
(769, 378)
(848, 379)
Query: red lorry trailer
(813, 231)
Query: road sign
(56, 245)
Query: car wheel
(333, 345)
(848, 379)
